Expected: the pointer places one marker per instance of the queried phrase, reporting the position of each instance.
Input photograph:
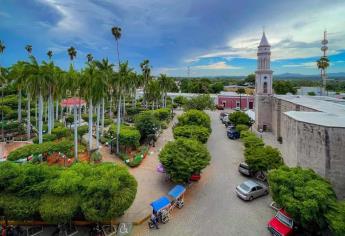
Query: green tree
(195, 117)
(216, 87)
(184, 157)
(250, 79)
(336, 218)
(239, 117)
(147, 123)
(196, 132)
(311, 93)
(283, 87)
(306, 196)
(180, 100)
(263, 158)
(201, 102)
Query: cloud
(217, 66)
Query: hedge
(46, 138)
(61, 132)
(195, 117)
(129, 137)
(58, 195)
(197, 132)
(63, 146)
(163, 114)
(82, 130)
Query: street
(211, 205)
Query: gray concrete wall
(317, 147)
(263, 112)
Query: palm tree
(146, 71)
(165, 84)
(106, 71)
(28, 48)
(116, 31)
(322, 65)
(72, 53)
(2, 49)
(50, 54)
(37, 86)
(89, 57)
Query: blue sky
(212, 37)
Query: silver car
(250, 189)
(243, 168)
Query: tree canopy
(239, 117)
(195, 117)
(306, 196)
(197, 132)
(184, 157)
(57, 195)
(201, 102)
(283, 87)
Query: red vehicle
(281, 224)
(195, 177)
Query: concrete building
(234, 100)
(311, 129)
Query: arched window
(265, 87)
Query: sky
(211, 37)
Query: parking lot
(211, 206)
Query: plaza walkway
(151, 184)
(211, 206)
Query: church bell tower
(263, 87)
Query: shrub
(96, 156)
(63, 146)
(61, 132)
(252, 141)
(336, 218)
(240, 128)
(55, 194)
(196, 132)
(195, 117)
(147, 124)
(129, 137)
(201, 102)
(163, 114)
(46, 138)
(239, 117)
(184, 157)
(82, 130)
(107, 121)
(306, 196)
(136, 161)
(263, 158)
(180, 100)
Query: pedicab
(161, 208)
(177, 195)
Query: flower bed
(134, 159)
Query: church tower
(263, 87)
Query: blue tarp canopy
(160, 203)
(177, 191)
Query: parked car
(222, 115)
(281, 224)
(232, 133)
(244, 169)
(250, 189)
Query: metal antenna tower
(324, 49)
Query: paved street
(211, 206)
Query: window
(265, 87)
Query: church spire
(264, 41)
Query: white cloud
(216, 66)
(292, 34)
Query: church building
(309, 130)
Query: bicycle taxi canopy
(177, 191)
(160, 203)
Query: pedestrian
(154, 220)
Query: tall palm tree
(117, 33)
(322, 65)
(2, 49)
(28, 48)
(72, 53)
(106, 71)
(37, 86)
(50, 54)
(153, 93)
(146, 71)
(166, 84)
(89, 57)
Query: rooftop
(331, 111)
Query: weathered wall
(263, 112)
(317, 147)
